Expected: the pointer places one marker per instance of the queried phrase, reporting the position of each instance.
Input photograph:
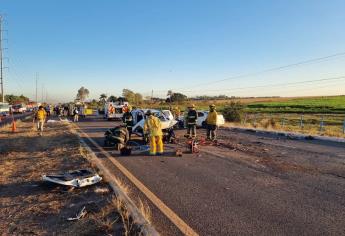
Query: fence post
(322, 124)
(245, 119)
(344, 127)
(254, 122)
(283, 121)
(301, 122)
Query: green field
(334, 104)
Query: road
(249, 184)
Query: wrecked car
(76, 178)
(139, 117)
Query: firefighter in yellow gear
(211, 122)
(40, 118)
(153, 127)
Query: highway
(250, 184)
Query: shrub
(233, 112)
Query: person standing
(75, 114)
(191, 119)
(128, 120)
(211, 122)
(40, 118)
(153, 127)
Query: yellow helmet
(191, 106)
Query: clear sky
(145, 45)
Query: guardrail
(8, 119)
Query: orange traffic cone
(14, 127)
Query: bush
(233, 112)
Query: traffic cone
(14, 127)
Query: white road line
(172, 216)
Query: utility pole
(42, 93)
(1, 63)
(36, 87)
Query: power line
(300, 63)
(274, 69)
(272, 85)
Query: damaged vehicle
(76, 178)
(139, 117)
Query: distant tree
(112, 98)
(94, 103)
(170, 94)
(132, 97)
(177, 97)
(103, 98)
(138, 98)
(82, 94)
(12, 99)
(129, 95)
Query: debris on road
(77, 178)
(80, 215)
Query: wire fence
(321, 124)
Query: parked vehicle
(202, 116)
(4, 109)
(139, 118)
(114, 110)
(19, 108)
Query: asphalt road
(248, 185)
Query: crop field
(334, 104)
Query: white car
(202, 116)
(139, 116)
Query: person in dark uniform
(128, 120)
(191, 118)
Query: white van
(114, 110)
(4, 109)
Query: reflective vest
(212, 118)
(192, 116)
(41, 115)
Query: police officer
(191, 118)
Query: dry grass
(145, 211)
(307, 129)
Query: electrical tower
(1, 63)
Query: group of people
(153, 126)
(211, 122)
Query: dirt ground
(29, 206)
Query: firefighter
(176, 112)
(153, 127)
(211, 122)
(128, 120)
(191, 118)
(40, 118)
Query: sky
(185, 46)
